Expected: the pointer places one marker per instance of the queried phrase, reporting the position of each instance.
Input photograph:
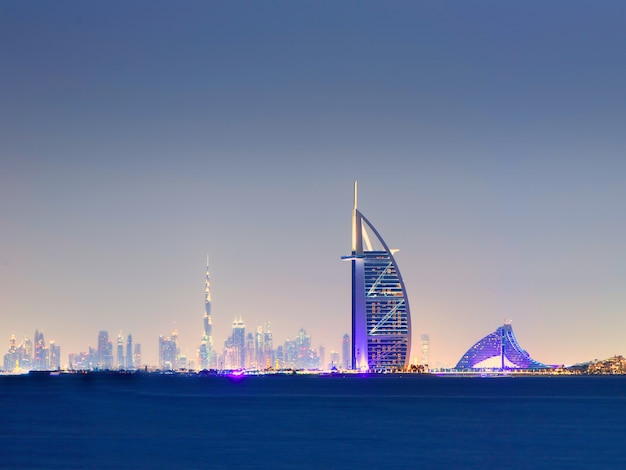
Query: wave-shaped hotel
(499, 350)
(381, 317)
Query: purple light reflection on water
(236, 375)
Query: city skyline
(488, 140)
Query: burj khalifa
(206, 348)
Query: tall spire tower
(208, 322)
(206, 348)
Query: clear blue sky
(488, 139)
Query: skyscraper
(55, 356)
(239, 344)
(381, 319)
(258, 348)
(205, 352)
(280, 357)
(26, 349)
(306, 357)
(105, 351)
(129, 353)
(346, 356)
(250, 358)
(120, 352)
(11, 361)
(290, 354)
(425, 342)
(40, 356)
(268, 348)
(137, 356)
(168, 351)
(334, 360)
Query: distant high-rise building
(82, 360)
(55, 356)
(129, 353)
(258, 348)
(381, 319)
(105, 351)
(72, 359)
(346, 355)
(307, 357)
(239, 344)
(290, 354)
(322, 356)
(26, 357)
(120, 352)
(280, 357)
(334, 360)
(425, 349)
(249, 351)
(11, 361)
(12, 343)
(168, 351)
(40, 357)
(268, 347)
(137, 356)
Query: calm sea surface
(395, 421)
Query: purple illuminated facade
(381, 319)
(499, 350)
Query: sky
(488, 139)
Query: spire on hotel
(357, 240)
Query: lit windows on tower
(381, 320)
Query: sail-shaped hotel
(381, 318)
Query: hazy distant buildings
(322, 357)
(280, 357)
(25, 354)
(11, 360)
(334, 360)
(28, 356)
(255, 351)
(54, 362)
(307, 357)
(83, 360)
(137, 356)
(381, 319)
(258, 348)
(249, 351)
(168, 351)
(290, 354)
(105, 351)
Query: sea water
(309, 421)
